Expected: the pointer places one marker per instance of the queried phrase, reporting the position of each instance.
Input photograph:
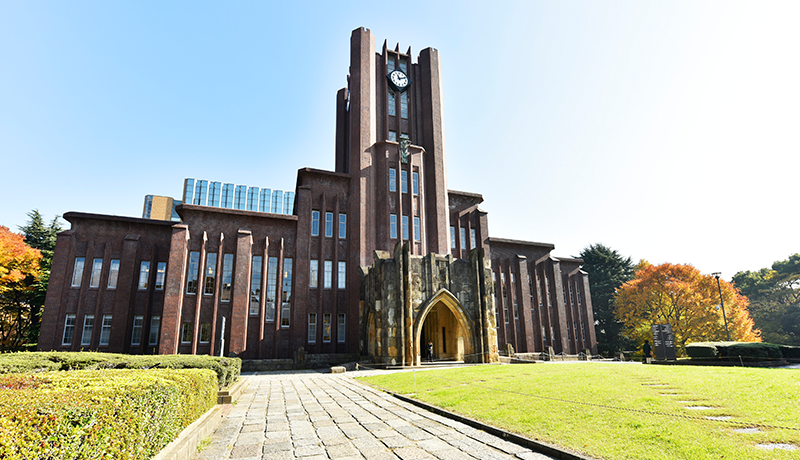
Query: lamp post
(722, 304)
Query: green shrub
(749, 350)
(702, 350)
(108, 414)
(789, 352)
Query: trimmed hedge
(790, 352)
(734, 350)
(99, 414)
(227, 369)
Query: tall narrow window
(211, 273)
(314, 223)
(252, 198)
(255, 286)
(77, 272)
(329, 225)
(313, 273)
(214, 190)
(392, 180)
(415, 183)
(463, 238)
(97, 269)
(326, 327)
(504, 291)
(288, 203)
(205, 332)
(155, 325)
(404, 105)
(161, 273)
(113, 273)
(69, 330)
(312, 328)
(277, 201)
(88, 327)
(342, 276)
(188, 191)
(342, 226)
(191, 273)
(393, 226)
(405, 227)
(240, 201)
(417, 231)
(340, 328)
(136, 334)
(328, 274)
(227, 196)
(393, 136)
(452, 237)
(227, 277)
(266, 197)
(272, 288)
(472, 238)
(105, 331)
(200, 191)
(187, 330)
(286, 301)
(144, 274)
(403, 181)
(392, 106)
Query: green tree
(19, 272)
(607, 270)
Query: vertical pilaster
(173, 291)
(558, 298)
(241, 292)
(123, 311)
(525, 305)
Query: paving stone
(341, 451)
(278, 447)
(433, 445)
(285, 455)
(253, 428)
(250, 438)
(529, 455)
(412, 453)
(307, 451)
(252, 450)
(378, 454)
(397, 441)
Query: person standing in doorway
(430, 352)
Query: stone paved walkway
(314, 416)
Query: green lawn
(622, 411)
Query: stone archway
(443, 322)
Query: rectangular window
(463, 238)
(266, 198)
(200, 190)
(405, 227)
(452, 237)
(314, 223)
(205, 332)
(392, 180)
(144, 274)
(136, 334)
(393, 226)
(240, 201)
(227, 196)
(272, 288)
(392, 103)
(191, 273)
(105, 331)
(286, 301)
(97, 269)
(252, 198)
(187, 329)
(393, 136)
(342, 276)
(404, 105)
(211, 273)
(329, 225)
(472, 238)
(288, 203)
(342, 226)
(77, 272)
(155, 325)
(417, 231)
(403, 181)
(227, 277)
(277, 201)
(214, 190)
(255, 286)
(312, 328)
(328, 274)
(326, 327)
(161, 273)
(415, 183)
(88, 327)
(188, 190)
(313, 273)
(340, 328)
(69, 330)
(113, 274)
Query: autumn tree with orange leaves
(687, 300)
(19, 272)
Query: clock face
(399, 80)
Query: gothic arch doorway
(443, 322)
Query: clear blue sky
(665, 130)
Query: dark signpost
(663, 342)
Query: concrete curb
(232, 393)
(536, 446)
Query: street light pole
(722, 304)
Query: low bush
(789, 352)
(99, 414)
(734, 350)
(227, 369)
(702, 350)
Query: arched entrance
(443, 322)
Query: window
(205, 332)
(240, 200)
(415, 183)
(392, 180)
(326, 327)
(136, 334)
(288, 203)
(188, 190)
(266, 197)
(314, 223)
(392, 103)
(227, 277)
(404, 105)
(393, 134)
(342, 226)
(227, 196)
(144, 274)
(211, 273)
(393, 226)
(272, 288)
(277, 201)
(452, 237)
(200, 190)
(403, 181)
(463, 238)
(417, 232)
(505, 297)
(252, 198)
(313, 273)
(155, 325)
(286, 300)
(191, 274)
(97, 269)
(255, 286)
(328, 274)
(186, 332)
(77, 272)
(88, 326)
(312, 328)
(214, 189)
(329, 225)
(340, 329)
(69, 330)
(342, 276)
(405, 227)
(472, 238)
(105, 331)
(161, 272)
(113, 274)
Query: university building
(376, 258)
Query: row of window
(327, 281)
(113, 273)
(329, 224)
(403, 181)
(272, 285)
(404, 228)
(326, 328)
(473, 238)
(219, 195)
(187, 332)
(105, 330)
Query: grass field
(623, 411)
